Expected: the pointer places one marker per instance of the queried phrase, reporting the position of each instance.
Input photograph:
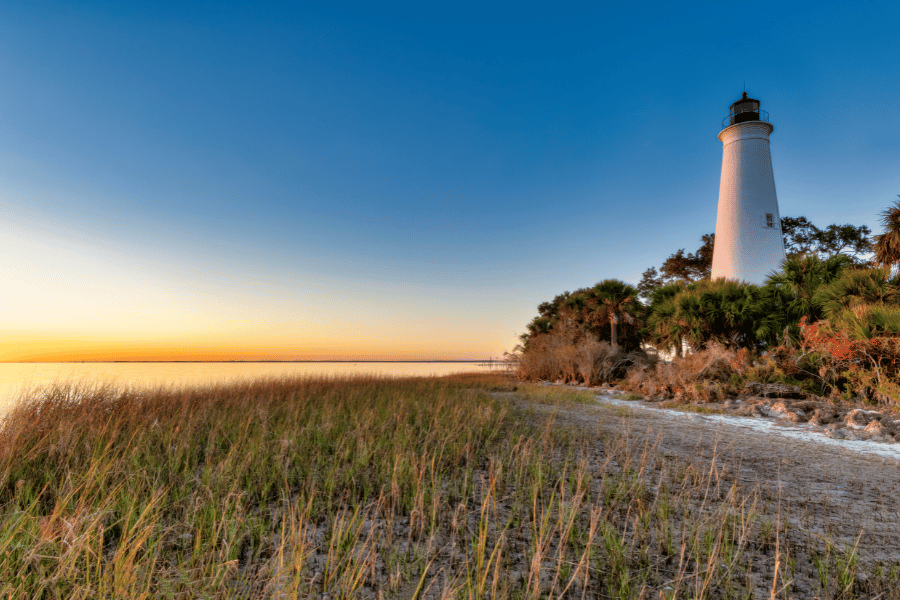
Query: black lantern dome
(745, 109)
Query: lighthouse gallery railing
(730, 119)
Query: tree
(803, 238)
(857, 288)
(799, 235)
(848, 240)
(728, 312)
(691, 267)
(614, 301)
(794, 286)
(548, 314)
(887, 245)
(686, 268)
(609, 311)
(664, 327)
(735, 314)
(866, 322)
(650, 281)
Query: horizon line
(476, 360)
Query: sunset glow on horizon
(77, 349)
(121, 308)
(236, 181)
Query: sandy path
(833, 488)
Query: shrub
(859, 351)
(703, 376)
(561, 355)
(731, 314)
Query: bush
(732, 314)
(559, 355)
(703, 376)
(859, 352)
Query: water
(16, 378)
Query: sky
(290, 181)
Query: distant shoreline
(24, 362)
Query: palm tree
(735, 314)
(794, 286)
(868, 321)
(664, 323)
(856, 288)
(615, 302)
(887, 245)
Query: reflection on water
(16, 378)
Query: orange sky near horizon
(77, 299)
(50, 348)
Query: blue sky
(399, 180)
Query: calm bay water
(16, 378)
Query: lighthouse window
(770, 220)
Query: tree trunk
(614, 326)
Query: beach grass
(370, 487)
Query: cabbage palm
(868, 321)
(793, 287)
(734, 314)
(615, 302)
(665, 327)
(887, 245)
(856, 288)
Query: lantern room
(745, 109)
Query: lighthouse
(749, 243)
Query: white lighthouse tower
(749, 242)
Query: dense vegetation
(828, 320)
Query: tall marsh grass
(367, 488)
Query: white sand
(797, 431)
